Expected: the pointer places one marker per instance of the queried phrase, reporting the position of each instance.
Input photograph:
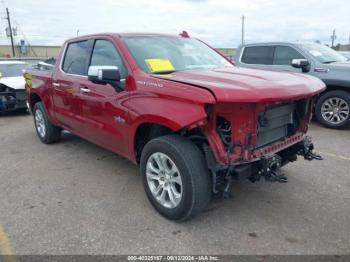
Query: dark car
(333, 106)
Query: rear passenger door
(67, 84)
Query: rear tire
(179, 186)
(333, 109)
(47, 132)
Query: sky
(217, 22)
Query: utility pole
(243, 29)
(333, 37)
(77, 32)
(10, 29)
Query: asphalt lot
(77, 198)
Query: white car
(12, 85)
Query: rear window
(261, 55)
(76, 59)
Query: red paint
(177, 102)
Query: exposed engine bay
(260, 149)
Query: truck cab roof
(120, 35)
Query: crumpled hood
(16, 82)
(249, 85)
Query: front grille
(276, 123)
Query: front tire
(47, 132)
(333, 109)
(175, 177)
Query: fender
(39, 85)
(336, 82)
(171, 112)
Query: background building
(343, 47)
(29, 51)
(228, 52)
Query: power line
(333, 37)
(25, 38)
(10, 29)
(243, 29)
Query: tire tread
(53, 133)
(194, 162)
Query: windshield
(10, 70)
(324, 54)
(157, 54)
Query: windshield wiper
(164, 72)
(329, 62)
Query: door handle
(55, 84)
(84, 89)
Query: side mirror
(103, 74)
(301, 63)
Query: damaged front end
(11, 99)
(248, 140)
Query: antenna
(184, 34)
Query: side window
(285, 54)
(259, 55)
(105, 53)
(76, 59)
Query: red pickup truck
(191, 119)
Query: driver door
(101, 104)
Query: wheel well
(333, 88)
(34, 98)
(146, 132)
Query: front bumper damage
(254, 141)
(11, 99)
(267, 166)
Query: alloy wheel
(335, 110)
(164, 180)
(40, 123)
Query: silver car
(333, 106)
